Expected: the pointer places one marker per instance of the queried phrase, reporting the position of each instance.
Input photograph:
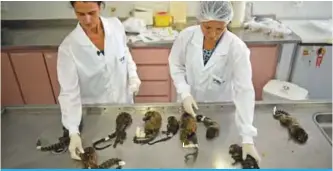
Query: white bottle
(239, 13)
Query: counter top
(44, 36)
(311, 31)
(23, 124)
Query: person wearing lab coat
(210, 64)
(94, 66)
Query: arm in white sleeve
(69, 97)
(132, 69)
(243, 95)
(177, 67)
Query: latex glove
(188, 104)
(250, 149)
(74, 145)
(134, 84)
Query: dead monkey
(213, 128)
(123, 121)
(152, 126)
(89, 160)
(295, 130)
(172, 129)
(188, 137)
(62, 145)
(236, 153)
(56, 148)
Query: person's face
(213, 29)
(87, 13)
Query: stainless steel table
(22, 125)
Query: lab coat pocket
(216, 82)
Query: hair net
(215, 10)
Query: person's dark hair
(99, 3)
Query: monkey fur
(123, 121)
(213, 128)
(236, 153)
(58, 147)
(89, 160)
(172, 129)
(296, 132)
(188, 128)
(152, 126)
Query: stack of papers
(154, 35)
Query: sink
(324, 122)
(328, 131)
(323, 118)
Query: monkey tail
(194, 154)
(104, 140)
(161, 140)
(56, 148)
(144, 140)
(111, 162)
(120, 137)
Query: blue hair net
(215, 10)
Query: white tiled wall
(15, 10)
(286, 9)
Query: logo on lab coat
(217, 81)
(122, 59)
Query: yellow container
(162, 19)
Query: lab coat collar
(82, 37)
(221, 49)
(223, 46)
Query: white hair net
(215, 10)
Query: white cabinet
(316, 79)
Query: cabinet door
(33, 77)
(316, 79)
(151, 99)
(10, 91)
(144, 56)
(51, 65)
(173, 92)
(264, 63)
(153, 71)
(154, 88)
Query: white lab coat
(88, 78)
(227, 75)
